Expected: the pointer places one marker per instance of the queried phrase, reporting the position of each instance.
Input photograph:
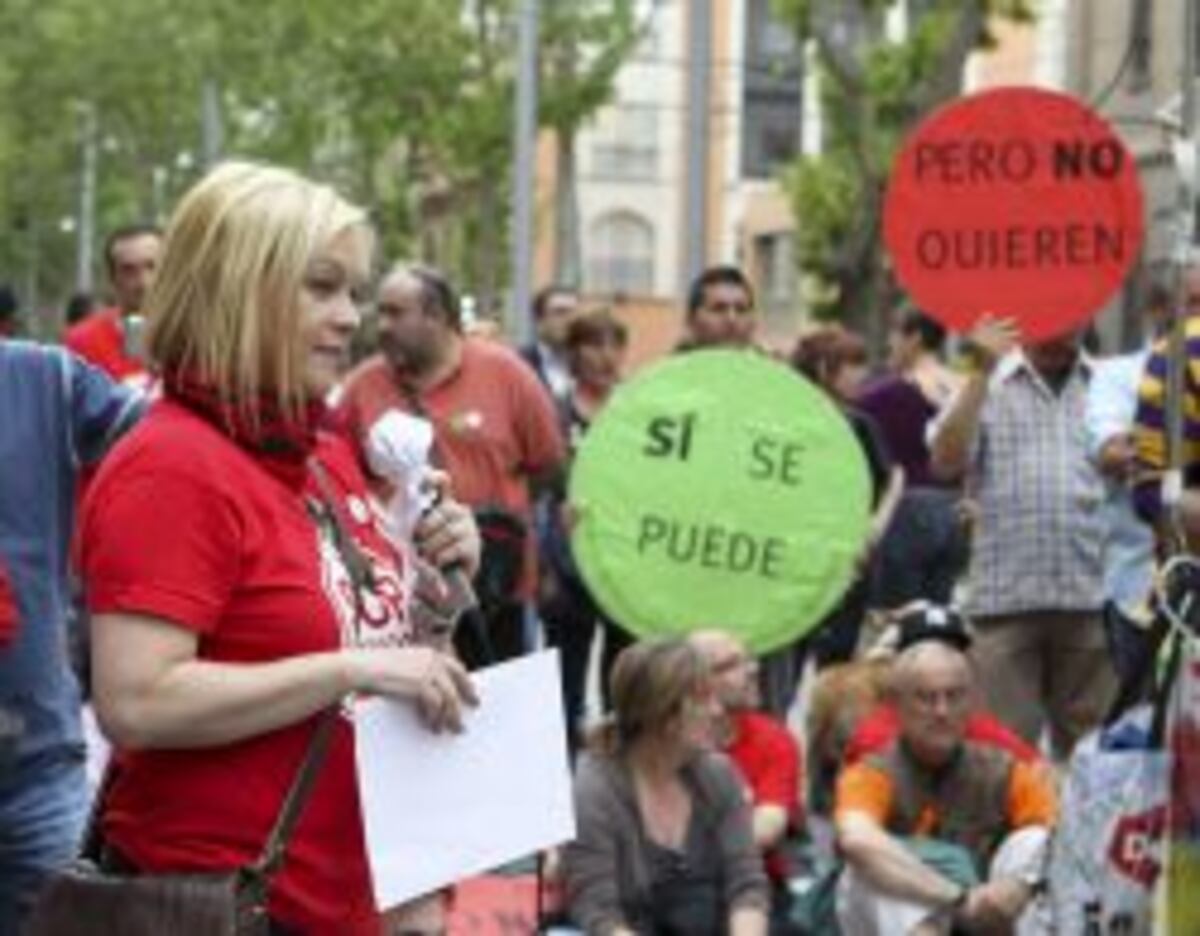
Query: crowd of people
(187, 491)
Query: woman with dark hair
(665, 844)
(595, 351)
(925, 550)
(836, 361)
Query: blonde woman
(665, 845)
(228, 610)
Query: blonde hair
(223, 307)
(650, 682)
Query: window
(775, 264)
(621, 254)
(649, 15)
(772, 93)
(625, 143)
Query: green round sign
(719, 489)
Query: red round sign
(1017, 202)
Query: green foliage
(586, 43)
(390, 99)
(827, 191)
(824, 192)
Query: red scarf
(281, 441)
(9, 616)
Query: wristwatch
(960, 900)
(1035, 881)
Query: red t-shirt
(184, 525)
(881, 726)
(494, 425)
(100, 340)
(768, 759)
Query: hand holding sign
(719, 489)
(1018, 201)
(991, 339)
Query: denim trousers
(43, 810)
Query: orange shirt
(866, 788)
(495, 426)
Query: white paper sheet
(438, 808)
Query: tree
(584, 45)
(406, 107)
(873, 93)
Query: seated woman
(241, 589)
(665, 845)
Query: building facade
(633, 170)
(1123, 56)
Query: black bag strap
(362, 577)
(359, 568)
(258, 875)
(271, 859)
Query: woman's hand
(438, 684)
(446, 534)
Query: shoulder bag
(91, 898)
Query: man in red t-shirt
(109, 338)
(9, 321)
(764, 751)
(496, 431)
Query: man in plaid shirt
(1016, 435)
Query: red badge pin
(1018, 202)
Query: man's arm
(748, 921)
(888, 865)
(775, 790)
(955, 431)
(539, 431)
(1108, 417)
(1019, 863)
(101, 409)
(1150, 443)
(1018, 868)
(770, 825)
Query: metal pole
(1190, 103)
(212, 133)
(524, 168)
(85, 230)
(1172, 485)
(698, 144)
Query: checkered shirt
(1039, 542)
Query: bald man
(935, 783)
(763, 750)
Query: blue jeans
(43, 811)
(925, 550)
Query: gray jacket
(607, 867)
